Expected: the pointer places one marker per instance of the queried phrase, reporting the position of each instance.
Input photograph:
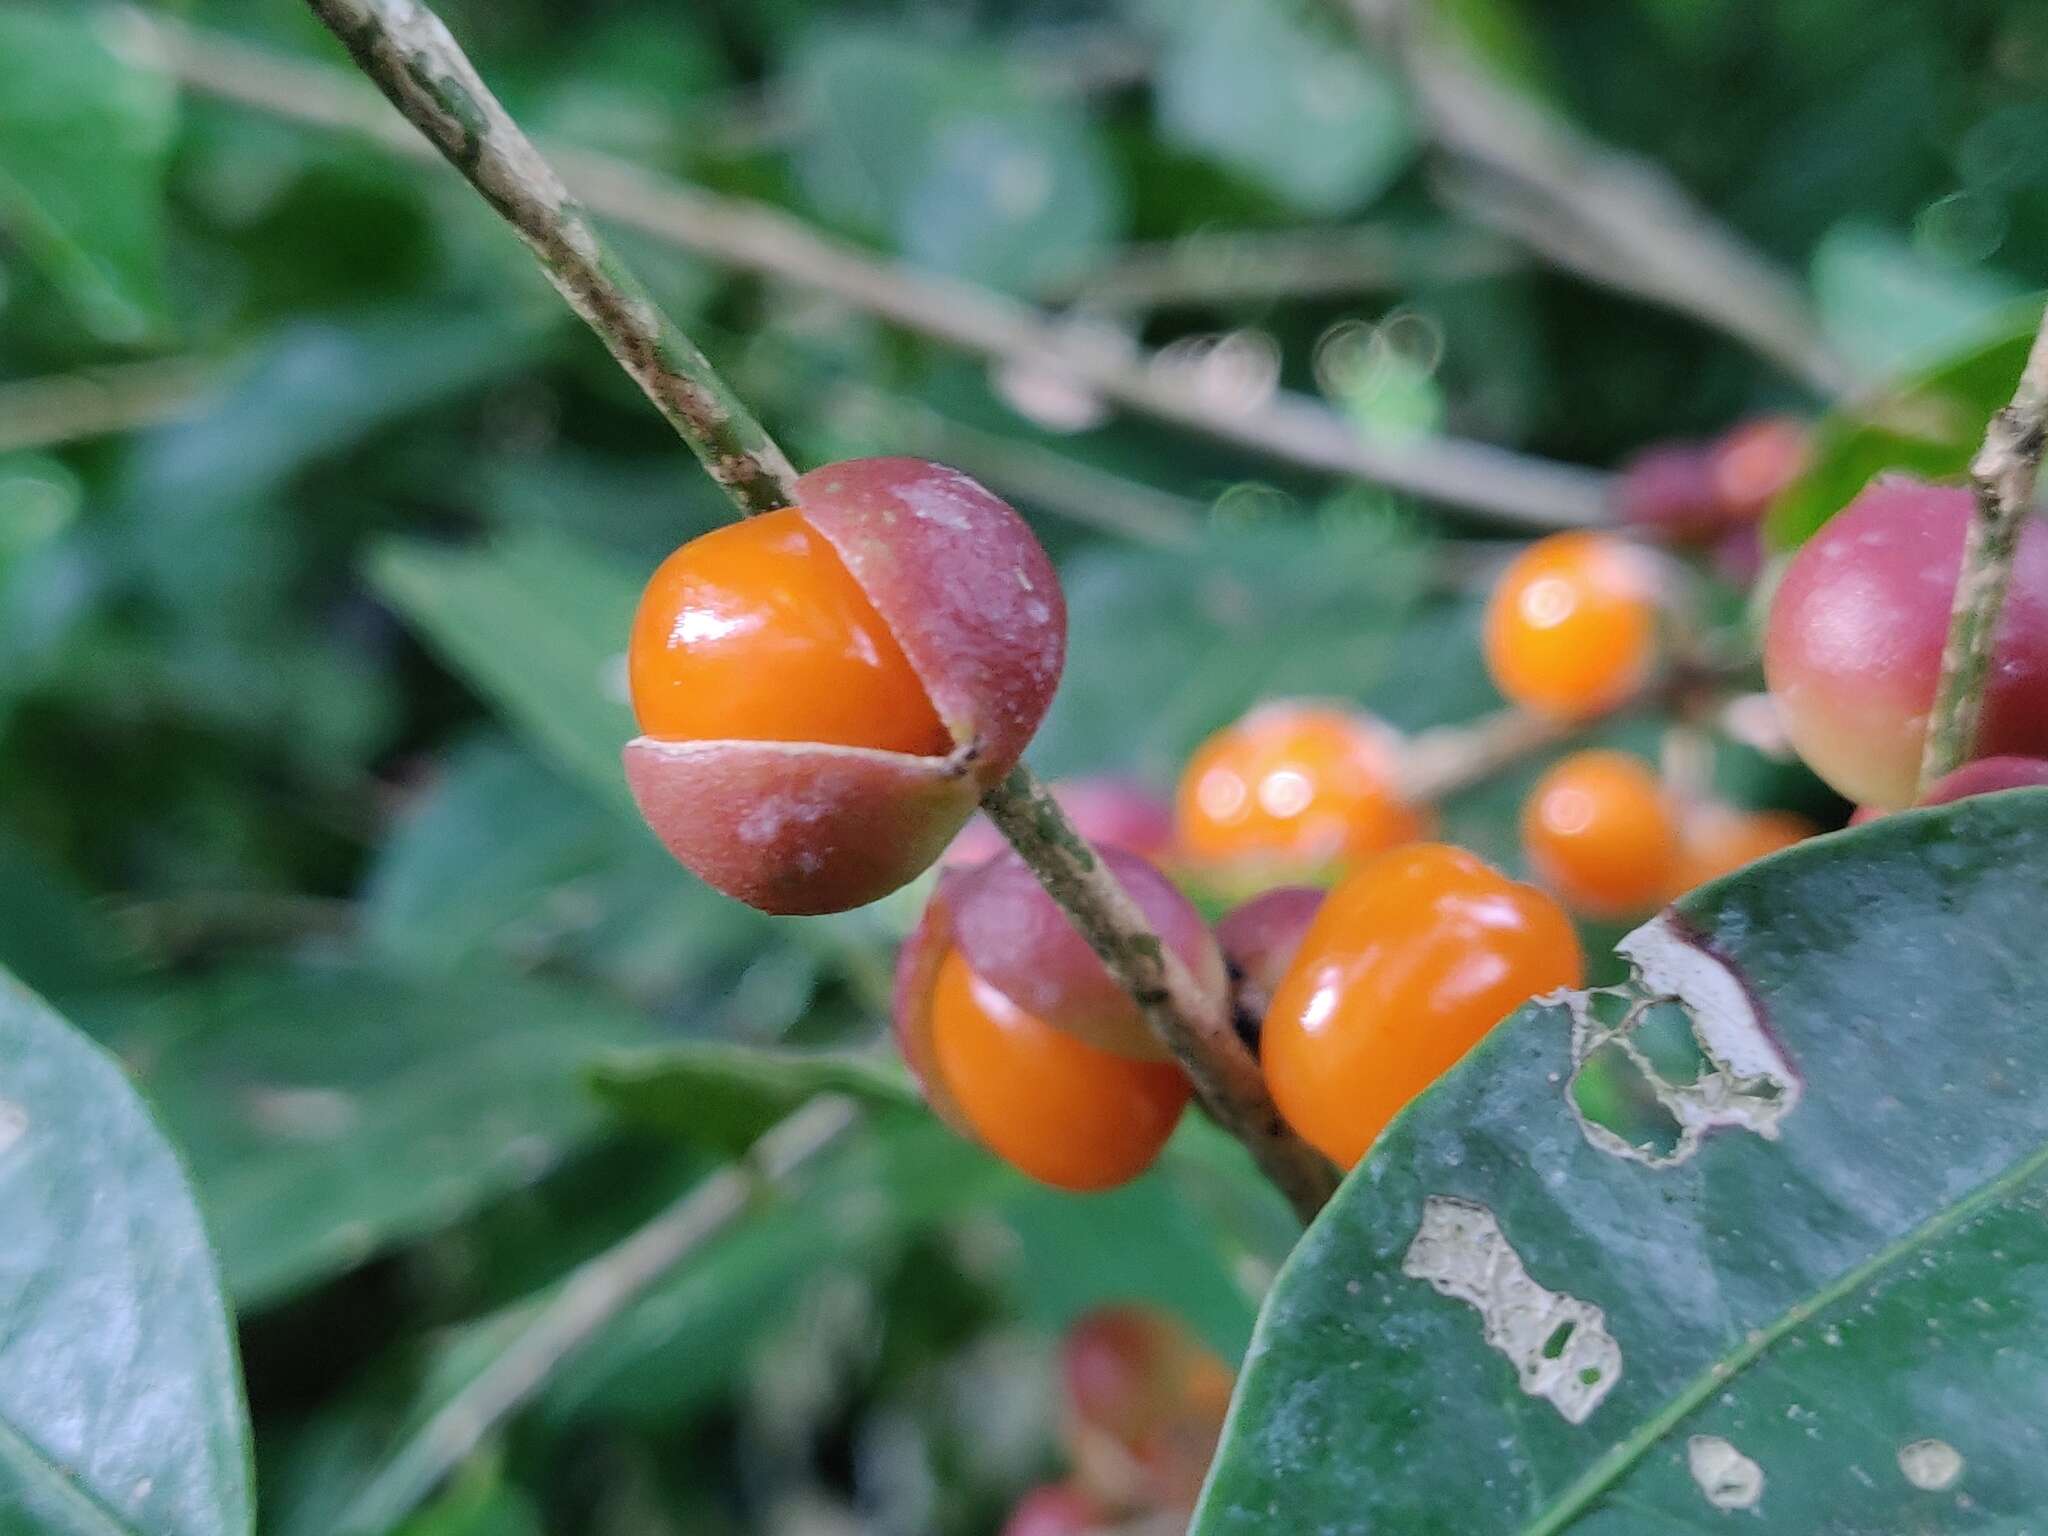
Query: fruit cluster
(1142, 1404)
(827, 691)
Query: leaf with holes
(120, 1402)
(1759, 1231)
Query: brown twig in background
(406, 50)
(41, 413)
(1495, 483)
(1608, 215)
(2003, 476)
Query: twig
(1445, 759)
(1494, 483)
(407, 53)
(594, 1294)
(41, 413)
(1195, 1026)
(1220, 267)
(1611, 216)
(2003, 475)
(404, 47)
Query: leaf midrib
(18, 1450)
(1604, 1473)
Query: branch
(2003, 475)
(40, 413)
(1494, 483)
(595, 1293)
(406, 50)
(1611, 216)
(1196, 1027)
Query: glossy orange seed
(1293, 783)
(1411, 960)
(1051, 1106)
(1599, 831)
(758, 632)
(1571, 627)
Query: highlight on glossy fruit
(1571, 627)
(1106, 810)
(1294, 785)
(824, 692)
(1716, 840)
(1411, 960)
(1599, 830)
(1018, 1035)
(1145, 1402)
(1852, 651)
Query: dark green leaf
(1928, 424)
(330, 1113)
(723, 1097)
(120, 1401)
(84, 132)
(1652, 1257)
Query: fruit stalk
(411, 57)
(2002, 476)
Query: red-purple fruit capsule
(825, 691)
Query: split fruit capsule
(824, 692)
(1852, 651)
(1144, 1406)
(1021, 1040)
(1411, 960)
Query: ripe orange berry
(1717, 840)
(1410, 961)
(758, 632)
(1571, 628)
(1060, 1110)
(1599, 831)
(1294, 783)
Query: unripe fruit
(1669, 491)
(1294, 785)
(1717, 840)
(1020, 1038)
(1598, 830)
(1106, 811)
(1411, 960)
(1145, 1402)
(1571, 628)
(1986, 776)
(827, 690)
(1260, 938)
(1057, 1509)
(1754, 463)
(1853, 649)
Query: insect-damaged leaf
(1634, 1264)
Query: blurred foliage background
(320, 521)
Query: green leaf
(1887, 305)
(724, 1096)
(331, 1113)
(1928, 424)
(84, 134)
(51, 936)
(1320, 125)
(538, 622)
(1601, 1280)
(1167, 645)
(947, 155)
(120, 1400)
